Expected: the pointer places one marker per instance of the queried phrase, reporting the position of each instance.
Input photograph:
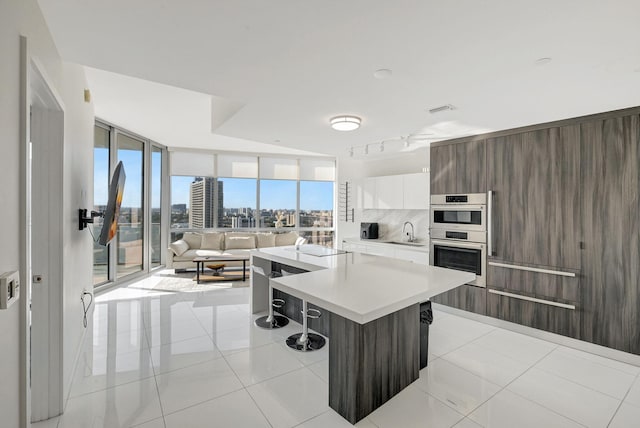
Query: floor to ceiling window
(155, 237)
(236, 203)
(100, 195)
(316, 210)
(138, 244)
(131, 221)
(234, 192)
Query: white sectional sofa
(181, 253)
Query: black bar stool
(271, 321)
(306, 341)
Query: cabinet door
(443, 169)
(412, 256)
(546, 317)
(415, 191)
(379, 250)
(611, 224)
(369, 200)
(353, 247)
(535, 177)
(471, 176)
(389, 192)
(465, 297)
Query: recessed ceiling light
(345, 123)
(383, 73)
(542, 61)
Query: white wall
(24, 18)
(393, 164)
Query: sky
(132, 162)
(238, 192)
(274, 194)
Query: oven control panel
(456, 235)
(457, 199)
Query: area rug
(185, 283)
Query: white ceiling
(279, 69)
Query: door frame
(37, 89)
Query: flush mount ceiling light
(345, 123)
(542, 61)
(383, 73)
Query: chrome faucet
(411, 237)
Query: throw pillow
(266, 240)
(193, 239)
(212, 241)
(288, 238)
(239, 243)
(179, 247)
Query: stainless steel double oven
(458, 231)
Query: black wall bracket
(83, 220)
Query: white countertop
(361, 287)
(423, 247)
(288, 255)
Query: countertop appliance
(368, 230)
(459, 234)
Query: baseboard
(581, 345)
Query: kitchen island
(372, 304)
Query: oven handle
(490, 223)
(465, 207)
(459, 244)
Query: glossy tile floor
(194, 359)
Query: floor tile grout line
(623, 400)
(476, 342)
(512, 381)
(111, 387)
(317, 362)
(475, 408)
(445, 404)
(248, 393)
(465, 344)
(155, 381)
(205, 401)
(533, 401)
(580, 384)
(559, 348)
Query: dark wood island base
(370, 363)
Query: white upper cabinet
(369, 198)
(389, 192)
(416, 191)
(406, 191)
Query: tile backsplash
(390, 223)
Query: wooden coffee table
(200, 262)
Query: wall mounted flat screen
(111, 214)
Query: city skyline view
(277, 195)
(204, 208)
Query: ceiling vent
(441, 108)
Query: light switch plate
(9, 289)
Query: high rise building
(220, 202)
(202, 202)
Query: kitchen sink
(410, 244)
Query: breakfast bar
(373, 307)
